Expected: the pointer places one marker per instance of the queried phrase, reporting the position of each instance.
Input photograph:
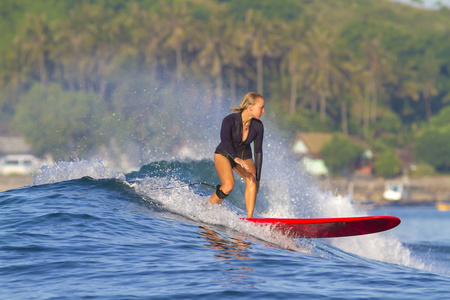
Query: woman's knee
(227, 187)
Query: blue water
(84, 231)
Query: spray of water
(64, 171)
(186, 202)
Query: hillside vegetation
(75, 74)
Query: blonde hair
(248, 100)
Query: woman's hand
(242, 163)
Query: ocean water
(85, 231)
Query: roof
(311, 144)
(14, 145)
(314, 141)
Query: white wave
(382, 247)
(63, 171)
(181, 199)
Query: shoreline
(14, 182)
(415, 190)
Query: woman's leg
(225, 172)
(251, 188)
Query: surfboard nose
(331, 227)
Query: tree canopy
(374, 69)
(340, 153)
(433, 142)
(60, 122)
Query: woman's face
(257, 109)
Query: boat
(393, 192)
(443, 206)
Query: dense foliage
(387, 164)
(375, 68)
(62, 123)
(433, 143)
(340, 153)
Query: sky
(428, 3)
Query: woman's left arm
(259, 151)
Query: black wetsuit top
(232, 146)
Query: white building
(16, 154)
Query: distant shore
(416, 190)
(14, 182)
(424, 189)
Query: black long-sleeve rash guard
(232, 146)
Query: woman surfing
(238, 131)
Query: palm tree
(348, 85)
(294, 58)
(147, 36)
(12, 76)
(177, 22)
(233, 53)
(356, 87)
(221, 46)
(33, 43)
(428, 75)
(106, 38)
(67, 51)
(320, 43)
(262, 37)
(379, 72)
(211, 47)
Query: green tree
(322, 69)
(147, 35)
(340, 153)
(177, 19)
(60, 123)
(428, 76)
(12, 77)
(110, 31)
(234, 43)
(294, 57)
(69, 52)
(433, 143)
(387, 164)
(33, 43)
(213, 43)
(378, 71)
(263, 37)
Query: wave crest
(64, 171)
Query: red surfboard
(329, 228)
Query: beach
(14, 182)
